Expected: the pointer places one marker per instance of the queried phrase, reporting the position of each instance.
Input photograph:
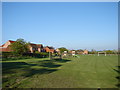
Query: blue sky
(74, 25)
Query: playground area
(84, 71)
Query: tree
(62, 49)
(93, 51)
(115, 51)
(109, 51)
(19, 47)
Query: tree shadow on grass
(58, 60)
(7, 67)
(50, 65)
(23, 69)
(11, 67)
(61, 60)
(32, 72)
(118, 77)
(14, 71)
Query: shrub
(7, 54)
(12, 56)
(37, 54)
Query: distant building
(65, 53)
(80, 51)
(85, 52)
(58, 51)
(73, 52)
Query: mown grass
(84, 72)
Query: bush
(13, 56)
(44, 54)
(37, 54)
(7, 54)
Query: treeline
(93, 51)
(107, 51)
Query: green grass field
(84, 72)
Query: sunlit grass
(84, 72)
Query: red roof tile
(11, 41)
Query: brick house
(35, 47)
(32, 47)
(85, 51)
(6, 47)
(49, 49)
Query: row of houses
(32, 47)
(36, 47)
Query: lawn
(87, 71)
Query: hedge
(11, 55)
